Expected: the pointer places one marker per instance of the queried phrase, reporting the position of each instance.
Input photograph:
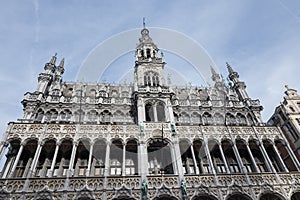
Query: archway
(271, 196)
(204, 197)
(239, 196)
(295, 196)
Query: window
(115, 167)
(151, 78)
(130, 169)
(155, 112)
(207, 119)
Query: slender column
(90, 159)
(290, 151)
(54, 160)
(265, 154)
(210, 162)
(27, 167)
(3, 146)
(72, 158)
(194, 159)
(106, 172)
(155, 112)
(175, 153)
(224, 159)
(252, 158)
(123, 163)
(293, 156)
(143, 160)
(280, 159)
(16, 161)
(35, 159)
(238, 157)
(44, 168)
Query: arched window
(159, 157)
(51, 115)
(230, 119)
(65, 116)
(187, 158)
(219, 119)
(155, 112)
(39, 115)
(92, 116)
(160, 110)
(149, 112)
(241, 119)
(207, 119)
(116, 158)
(274, 157)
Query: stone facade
(148, 140)
(287, 117)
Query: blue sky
(260, 39)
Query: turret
(148, 65)
(219, 83)
(45, 78)
(238, 86)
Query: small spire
(230, 70)
(215, 76)
(53, 59)
(62, 63)
(144, 24)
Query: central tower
(151, 94)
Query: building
(287, 117)
(148, 140)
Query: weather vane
(144, 24)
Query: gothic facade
(287, 117)
(147, 140)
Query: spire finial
(62, 62)
(287, 87)
(144, 24)
(230, 70)
(53, 59)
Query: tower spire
(144, 24)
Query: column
(211, 165)
(155, 112)
(70, 173)
(293, 156)
(252, 158)
(90, 159)
(266, 157)
(54, 160)
(143, 160)
(16, 161)
(35, 159)
(238, 157)
(223, 157)
(123, 163)
(280, 159)
(175, 153)
(194, 159)
(106, 172)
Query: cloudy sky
(260, 39)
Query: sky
(260, 39)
